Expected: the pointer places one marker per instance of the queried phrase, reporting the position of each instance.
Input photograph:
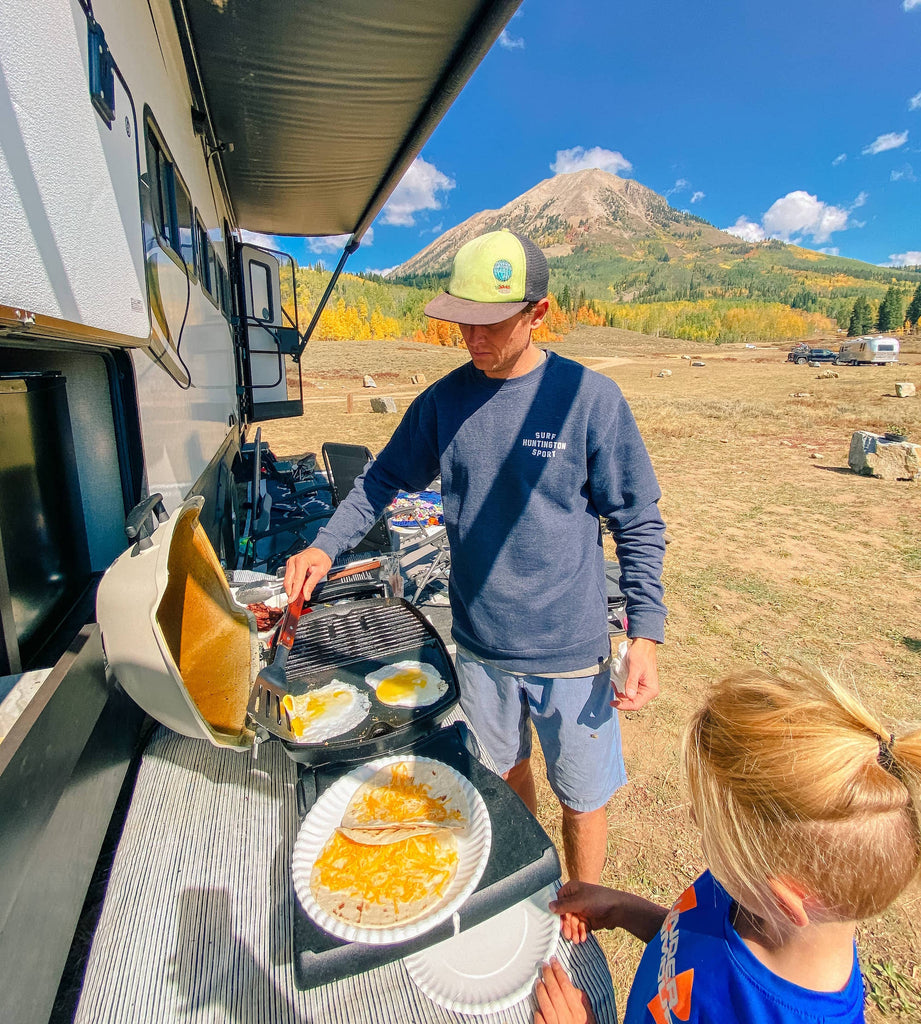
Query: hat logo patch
(502, 270)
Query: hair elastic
(884, 757)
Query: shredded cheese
(393, 875)
(403, 800)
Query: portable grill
(346, 642)
(189, 655)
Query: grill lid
(174, 637)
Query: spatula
(266, 705)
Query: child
(810, 818)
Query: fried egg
(326, 712)
(407, 684)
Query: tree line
(889, 316)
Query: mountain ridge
(615, 239)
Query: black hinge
(102, 73)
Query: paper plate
(326, 815)
(494, 965)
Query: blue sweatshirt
(528, 465)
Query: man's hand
(559, 1000)
(642, 682)
(304, 570)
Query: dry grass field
(778, 551)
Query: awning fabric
(327, 103)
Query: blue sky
(795, 119)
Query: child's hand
(583, 908)
(559, 1000)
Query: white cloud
(799, 214)
(580, 159)
(831, 250)
(905, 259)
(696, 198)
(747, 229)
(904, 173)
(418, 190)
(839, 159)
(508, 42)
(263, 241)
(891, 140)
(910, 5)
(383, 273)
(330, 243)
(915, 102)
(796, 216)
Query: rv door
(269, 370)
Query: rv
(855, 351)
(142, 338)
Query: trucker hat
(494, 276)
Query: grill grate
(330, 640)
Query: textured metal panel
(61, 767)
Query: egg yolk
(312, 706)
(401, 685)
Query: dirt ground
(777, 551)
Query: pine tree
(890, 311)
(861, 317)
(913, 313)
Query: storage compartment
(45, 560)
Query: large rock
(871, 455)
(904, 389)
(418, 378)
(368, 381)
(383, 405)
(826, 374)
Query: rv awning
(327, 103)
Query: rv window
(260, 285)
(224, 288)
(184, 224)
(206, 267)
(170, 202)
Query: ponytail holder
(884, 757)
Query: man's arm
(625, 493)
(408, 458)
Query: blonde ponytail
(790, 775)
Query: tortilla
(379, 886)
(407, 793)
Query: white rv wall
(69, 201)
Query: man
(531, 449)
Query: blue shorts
(579, 730)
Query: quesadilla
(382, 886)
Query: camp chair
(344, 465)
(275, 528)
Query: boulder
(904, 389)
(418, 378)
(383, 405)
(686, 357)
(368, 381)
(698, 362)
(664, 373)
(871, 455)
(827, 375)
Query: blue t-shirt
(708, 974)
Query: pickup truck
(802, 355)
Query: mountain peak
(576, 210)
